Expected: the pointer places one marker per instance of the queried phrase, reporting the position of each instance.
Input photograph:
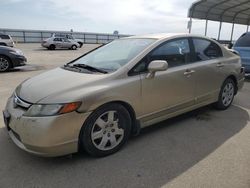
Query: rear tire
(106, 130)
(226, 96)
(5, 63)
(52, 47)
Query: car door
(208, 66)
(171, 90)
(67, 43)
(58, 42)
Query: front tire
(73, 47)
(106, 130)
(5, 64)
(226, 95)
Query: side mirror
(155, 66)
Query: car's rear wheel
(5, 63)
(73, 47)
(226, 95)
(52, 47)
(106, 130)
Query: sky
(104, 16)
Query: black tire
(85, 138)
(80, 43)
(221, 104)
(73, 47)
(52, 47)
(5, 63)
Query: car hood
(55, 83)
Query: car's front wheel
(73, 47)
(226, 95)
(106, 130)
(5, 63)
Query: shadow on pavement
(159, 154)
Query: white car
(68, 36)
(58, 42)
(6, 40)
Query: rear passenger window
(205, 50)
(57, 39)
(176, 53)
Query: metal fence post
(24, 39)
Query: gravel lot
(203, 148)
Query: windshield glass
(115, 54)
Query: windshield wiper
(90, 68)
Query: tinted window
(243, 41)
(4, 37)
(175, 53)
(57, 39)
(205, 50)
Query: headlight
(52, 109)
(17, 52)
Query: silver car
(59, 42)
(99, 100)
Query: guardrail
(36, 36)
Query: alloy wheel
(4, 64)
(106, 133)
(228, 94)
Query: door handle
(189, 72)
(220, 65)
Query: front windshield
(115, 54)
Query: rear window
(243, 41)
(205, 50)
(4, 37)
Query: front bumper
(44, 136)
(18, 61)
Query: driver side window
(176, 53)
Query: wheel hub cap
(106, 133)
(3, 64)
(228, 94)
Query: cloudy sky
(126, 16)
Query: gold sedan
(101, 98)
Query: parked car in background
(59, 42)
(68, 36)
(242, 46)
(98, 100)
(10, 58)
(6, 40)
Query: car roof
(160, 36)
